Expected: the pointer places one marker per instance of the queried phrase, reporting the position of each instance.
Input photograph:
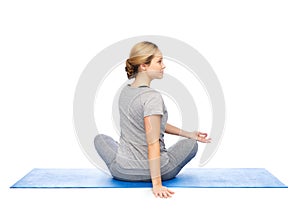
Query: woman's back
(134, 105)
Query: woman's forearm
(154, 163)
(152, 129)
(170, 129)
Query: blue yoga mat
(188, 178)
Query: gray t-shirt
(134, 105)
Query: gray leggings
(179, 155)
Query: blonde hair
(141, 53)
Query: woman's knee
(194, 148)
(193, 145)
(98, 140)
(104, 142)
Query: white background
(253, 46)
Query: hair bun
(130, 69)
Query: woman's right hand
(199, 136)
(162, 192)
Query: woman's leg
(179, 155)
(106, 147)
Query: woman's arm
(199, 136)
(152, 130)
(170, 129)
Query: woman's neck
(141, 81)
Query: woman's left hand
(200, 136)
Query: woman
(141, 154)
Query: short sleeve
(153, 103)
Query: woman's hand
(162, 192)
(200, 136)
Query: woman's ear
(143, 67)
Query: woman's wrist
(184, 133)
(156, 182)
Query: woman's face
(156, 68)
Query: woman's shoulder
(151, 95)
(143, 92)
(150, 91)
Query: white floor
(141, 201)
